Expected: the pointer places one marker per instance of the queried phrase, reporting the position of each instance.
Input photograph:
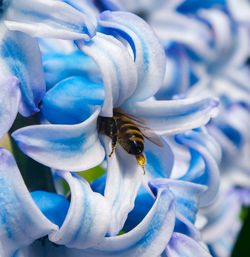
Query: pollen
(141, 160)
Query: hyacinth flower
(77, 228)
(70, 140)
(21, 68)
(202, 53)
(193, 186)
(222, 220)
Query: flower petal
(88, 217)
(186, 195)
(117, 68)
(52, 205)
(64, 147)
(21, 221)
(9, 102)
(149, 238)
(21, 58)
(149, 55)
(72, 100)
(181, 245)
(160, 159)
(175, 116)
(123, 173)
(210, 176)
(61, 21)
(176, 81)
(59, 66)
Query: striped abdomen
(129, 135)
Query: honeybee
(129, 132)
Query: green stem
(36, 176)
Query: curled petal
(149, 55)
(210, 175)
(20, 57)
(64, 147)
(181, 245)
(186, 195)
(172, 26)
(124, 177)
(21, 221)
(62, 21)
(88, 217)
(175, 116)
(117, 68)
(160, 159)
(72, 100)
(9, 102)
(149, 238)
(176, 80)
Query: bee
(128, 131)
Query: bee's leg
(114, 137)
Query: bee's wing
(151, 136)
(130, 117)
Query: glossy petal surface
(20, 57)
(9, 102)
(117, 68)
(72, 100)
(181, 245)
(175, 116)
(149, 55)
(209, 175)
(123, 173)
(62, 21)
(88, 216)
(21, 221)
(64, 147)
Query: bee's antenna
(141, 160)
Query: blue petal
(123, 172)
(9, 102)
(149, 238)
(186, 195)
(149, 55)
(72, 100)
(88, 216)
(115, 63)
(193, 6)
(21, 58)
(160, 159)
(143, 203)
(58, 66)
(64, 147)
(181, 245)
(63, 20)
(210, 175)
(53, 206)
(21, 221)
(177, 76)
(175, 116)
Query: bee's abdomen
(130, 137)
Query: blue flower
(70, 140)
(77, 228)
(21, 68)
